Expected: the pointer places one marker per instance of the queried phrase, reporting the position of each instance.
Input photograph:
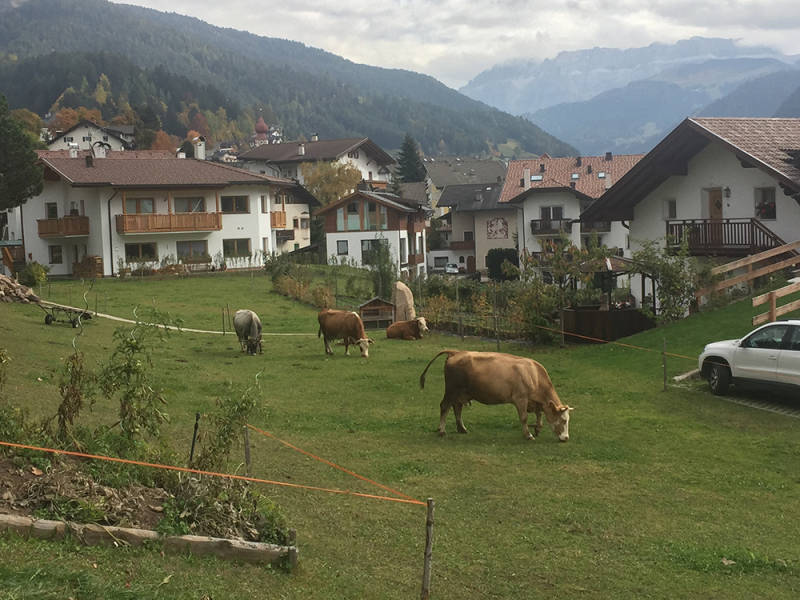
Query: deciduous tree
(20, 177)
(330, 181)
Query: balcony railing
(465, 245)
(550, 226)
(64, 227)
(415, 259)
(278, 220)
(284, 235)
(724, 237)
(598, 226)
(155, 223)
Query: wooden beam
(672, 169)
(737, 264)
(780, 293)
(781, 310)
(747, 276)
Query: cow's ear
(371, 341)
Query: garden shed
(376, 313)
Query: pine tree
(409, 163)
(20, 177)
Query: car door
(789, 359)
(757, 355)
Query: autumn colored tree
(20, 176)
(31, 124)
(165, 141)
(330, 181)
(64, 119)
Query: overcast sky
(454, 40)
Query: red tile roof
(558, 173)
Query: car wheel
(719, 378)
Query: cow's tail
(422, 377)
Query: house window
(235, 204)
(105, 138)
(469, 236)
(341, 247)
(461, 259)
(670, 209)
(69, 139)
(552, 213)
(287, 199)
(56, 256)
(297, 246)
(439, 262)
(139, 206)
(403, 251)
(305, 223)
(352, 217)
(296, 223)
(576, 176)
(87, 138)
(239, 247)
(278, 199)
(370, 175)
(371, 216)
(353, 154)
(601, 174)
(369, 249)
(51, 210)
(190, 205)
(340, 219)
(384, 218)
(765, 204)
(264, 205)
(192, 250)
(134, 252)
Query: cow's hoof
(530, 437)
(462, 430)
(442, 434)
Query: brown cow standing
(343, 325)
(407, 330)
(495, 378)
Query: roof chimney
(607, 181)
(541, 167)
(314, 137)
(89, 160)
(572, 184)
(526, 179)
(199, 144)
(578, 162)
(609, 156)
(73, 149)
(589, 169)
(301, 150)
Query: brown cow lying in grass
(343, 325)
(495, 378)
(407, 330)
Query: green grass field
(651, 493)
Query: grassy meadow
(653, 496)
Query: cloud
(454, 40)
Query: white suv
(768, 357)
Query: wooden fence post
(773, 307)
(664, 361)
(426, 572)
(247, 449)
(230, 326)
(223, 320)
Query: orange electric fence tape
(586, 337)
(210, 473)
(388, 489)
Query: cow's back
(340, 323)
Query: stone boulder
(403, 301)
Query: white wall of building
(79, 136)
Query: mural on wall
(497, 229)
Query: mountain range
(308, 90)
(625, 101)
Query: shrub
(495, 259)
(33, 274)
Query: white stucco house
(358, 223)
(732, 185)
(552, 194)
(83, 135)
(478, 222)
(133, 206)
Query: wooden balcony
(64, 227)
(465, 245)
(277, 220)
(724, 237)
(598, 226)
(169, 222)
(415, 259)
(550, 226)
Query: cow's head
(253, 345)
(423, 325)
(363, 345)
(558, 417)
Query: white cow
(248, 329)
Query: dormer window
(601, 174)
(536, 178)
(576, 176)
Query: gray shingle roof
(457, 170)
(474, 197)
(288, 152)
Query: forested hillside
(307, 90)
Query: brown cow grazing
(495, 378)
(343, 325)
(407, 330)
